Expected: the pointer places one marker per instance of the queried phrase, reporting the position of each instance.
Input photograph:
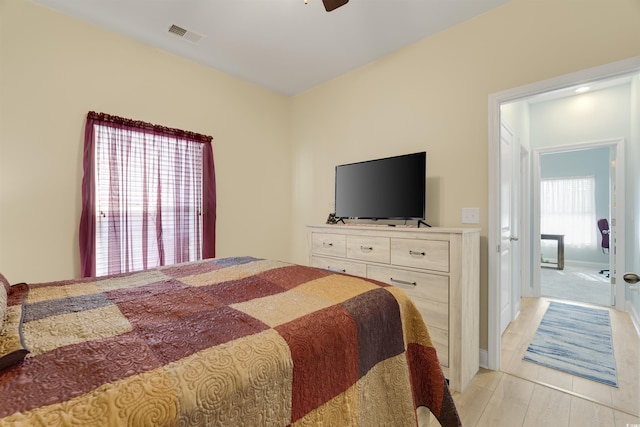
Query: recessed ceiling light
(583, 89)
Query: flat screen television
(388, 188)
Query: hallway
(525, 394)
(625, 398)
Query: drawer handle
(327, 245)
(403, 282)
(366, 248)
(337, 270)
(416, 253)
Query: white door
(506, 224)
(612, 227)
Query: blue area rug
(576, 340)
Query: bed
(222, 342)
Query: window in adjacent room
(567, 206)
(148, 196)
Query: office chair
(603, 226)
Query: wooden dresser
(439, 268)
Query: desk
(560, 239)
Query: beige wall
(54, 69)
(433, 96)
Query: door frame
(618, 244)
(525, 226)
(615, 69)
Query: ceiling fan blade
(330, 5)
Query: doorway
(552, 87)
(575, 190)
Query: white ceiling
(590, 86)
(286, 46)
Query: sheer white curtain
(568, 206)
(148, 200)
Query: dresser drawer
(436, 317)
(423, 285)
(374, 249)
(435, 314)
(419, 253)
(430, 294)
(328, 244)
(339, 266)
(440, 340)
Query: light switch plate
(471, 215)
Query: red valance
(137, 124)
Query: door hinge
(498, 248)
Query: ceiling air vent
(191, 36)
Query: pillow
(6, 284)
(12, 348)
(5, 291)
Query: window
(567, 206)
(148, 196)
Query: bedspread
(225, 342)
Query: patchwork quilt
(220, 342)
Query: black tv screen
(389, 188)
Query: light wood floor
(529, 395)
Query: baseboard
(635, 318)
(484, 359)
